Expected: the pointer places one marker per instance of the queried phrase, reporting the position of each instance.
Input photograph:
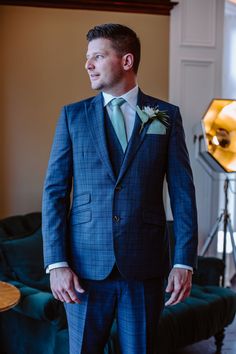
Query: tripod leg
(211, 236)
(232, 241)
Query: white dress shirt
(129, 112)
(128, 108)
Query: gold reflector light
(219, 128)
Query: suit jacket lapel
(136, 138)
(96, 124)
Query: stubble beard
(97, 86)
(109, 86)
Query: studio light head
(218, 130)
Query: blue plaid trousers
(137, 306)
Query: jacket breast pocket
(81, 217)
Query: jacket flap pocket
(81, 217)
(82, 199)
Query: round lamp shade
(219, 130)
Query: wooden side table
(9, 296)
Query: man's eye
(99, 56)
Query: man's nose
(89, 65)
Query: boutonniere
(149, 114)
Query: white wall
(229, 91)
(196, 43)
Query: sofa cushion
(19, 226)
(23, 260)
(204, 313)
(39, 305)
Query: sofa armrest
(40, 305)
(209, 271)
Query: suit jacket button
(116, 218)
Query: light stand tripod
(225, 216)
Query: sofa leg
(219, 338)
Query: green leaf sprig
(149, 114)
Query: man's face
(104, 66)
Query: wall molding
(155, 7)
(202, 76)
(189, 35)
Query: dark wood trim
(150, 7)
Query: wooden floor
(208, 346)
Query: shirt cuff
(56, 265)
(183, 266)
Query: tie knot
(117, 102)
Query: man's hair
(124, 40)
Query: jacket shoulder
(77, 106)
(161, 103)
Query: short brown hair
(124, 39)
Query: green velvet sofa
(37, 325)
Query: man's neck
(123, 88)
(130, 96)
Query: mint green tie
(117, 120)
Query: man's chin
(96, 86)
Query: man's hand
(63, 283)
(179, 285)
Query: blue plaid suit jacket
(92, 218)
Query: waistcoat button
(118, 188)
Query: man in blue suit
(106, 244)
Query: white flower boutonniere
(149, 114)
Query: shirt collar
(131, 97)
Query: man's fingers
(170, 285)
(77, 285)
(58, 296)
(175, 295)
(68, 296)
(63, 282)
(172, 299)
(55, 295)
(179, 284)
(71, 297)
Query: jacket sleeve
(56, 194)
(182, 195)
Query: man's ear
(128, 61)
